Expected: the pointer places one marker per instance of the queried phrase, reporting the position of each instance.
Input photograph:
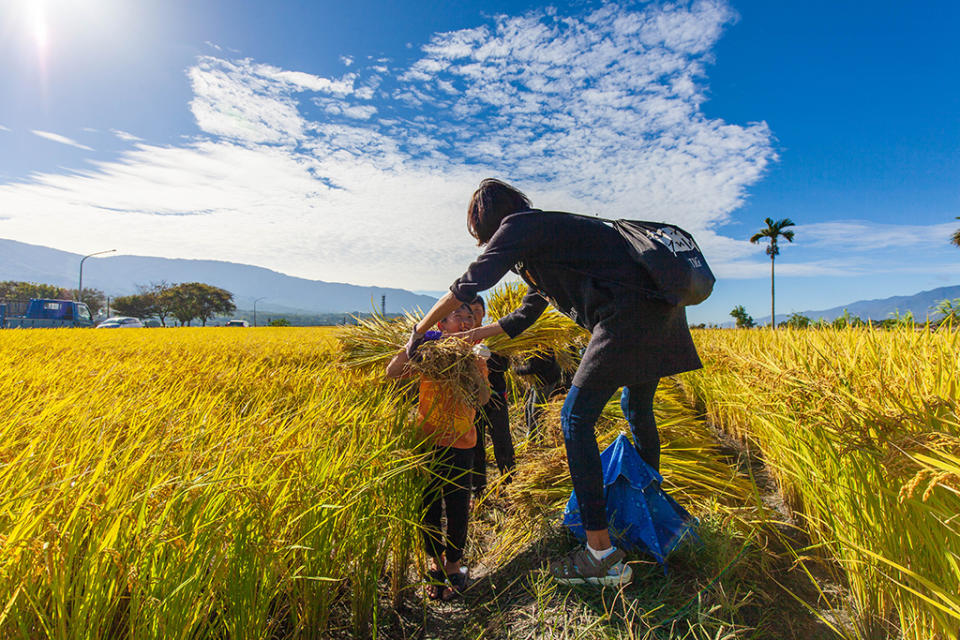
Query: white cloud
(346, 60)
(126, 137)
(364, 178)
(863, 235)
(55, 137)
(3, 128)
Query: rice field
(240, 483)
(860, 429)
(196, 483)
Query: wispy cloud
(126, 137)
(55, 137)
(863, 235)
(3, 128)
(345, 178)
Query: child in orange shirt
(450, 433)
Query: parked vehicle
(237, 323)
(121, 322)
(44, 313)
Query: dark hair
(479, 300)
(493, 201)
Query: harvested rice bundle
(552, 331)
(373, 341)
(452, 362)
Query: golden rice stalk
(373, 341)
(552, 331)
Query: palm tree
(773, 231)
(956, 236)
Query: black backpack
(670, 255)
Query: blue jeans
(580, 412)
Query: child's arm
(398, 366)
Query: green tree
(191, 300)
(950, 310)
(773, 231)
(157, 291)
(796, 321)
(744, 321)
(138, 305)
(15, 290)
(279, 322)
(180, 301)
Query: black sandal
(458, 584)
(436, 583)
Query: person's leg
(578, 417)
(498, 421)
(432, 511)
(637, 406)
(540, 395)
(529, 412)
(456, 498)
(478, 480)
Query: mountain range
(920, 305)
(120, 275)
(288, 294)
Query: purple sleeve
(508, 246)
(532, 307)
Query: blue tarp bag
(640, 515)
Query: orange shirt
(448, 420)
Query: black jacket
(542, 366)
(583, 268)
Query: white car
(237, 323)
(120, 322)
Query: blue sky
(340, 141)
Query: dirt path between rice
(741, 580)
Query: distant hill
(119, 276)
(919, 304)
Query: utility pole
(80, 284)
(255, 309)
(383, 305)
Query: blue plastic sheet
(640, 515)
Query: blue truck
(44, 313)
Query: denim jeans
(580, 412)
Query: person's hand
(413, 341)
(468, 336)
(417, 339)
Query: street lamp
(255, 309)
(80, 284)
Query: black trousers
(492, 418)
(537, 396)
(448, 490)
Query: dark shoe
(580, 567)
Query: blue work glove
(416, 339)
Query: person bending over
(583, 268)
